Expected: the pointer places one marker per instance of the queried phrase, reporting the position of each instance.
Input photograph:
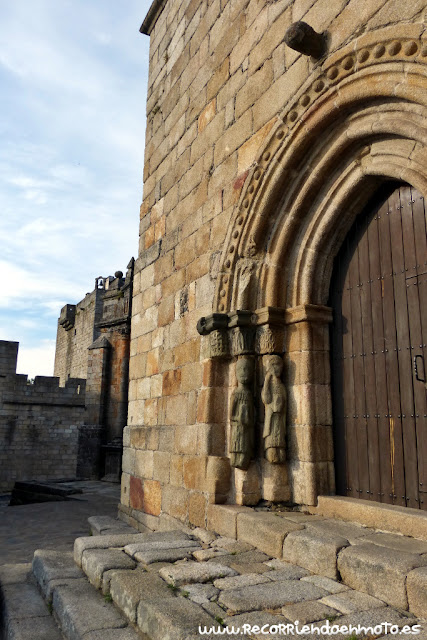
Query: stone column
(310, 439)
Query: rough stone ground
(162, 585)
(53, 525)
(224, 582)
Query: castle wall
(220, 81)
(74, 338)
(41, 424)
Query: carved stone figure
(274, 398)
(242, 415)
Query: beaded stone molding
(398, 44)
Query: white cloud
(37, 361)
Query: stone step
(106, 525)
(386, 517)
(79, 609)
(387, 566)
(24, 613)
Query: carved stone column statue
(274, 398)
(242, 415)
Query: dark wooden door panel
(379, 297)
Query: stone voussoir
(379, 571)
(314, 550)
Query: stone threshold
(401, 520)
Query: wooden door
(378, 351)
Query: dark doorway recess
(378, 351)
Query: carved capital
(218, 344)
(309, 313)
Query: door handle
(417, 376)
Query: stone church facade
(262, 163)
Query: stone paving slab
(416, 584)
(191, 572)
(351, 531)
(101, 525)
(174, 619)
(164, 555)
(309, 611)
(15, 573)
(43, 628)
(96, 562)
(24, 601)
(326, 583)
(352, 601)
(255, 619)
(231, 545)
(82, 609)
(252, 557)
(208, 554)
(51, 566)
(314, 550)
(169, 543)
(204, 535)
(265, 531)
(199, 593)
(128, 588)
(395, 541)
(375, 570)
(269, 596)
(291, 572)
(113, 634)
(250, 567)
(237, 582)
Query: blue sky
(73, 78)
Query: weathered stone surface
(204, 535)
(14, 595)
(309, 611)
(193, 572)
(174, 619)
(416, 584)
(291, 572)
(250, 567)
(128, 588)
(96, 561)
(118, 541)
(352, 601)
(409, 522)
(377, 571)
(394, 541)
(163, 555)
(326, 583)
(237, 582)
(54, 565)
(113, 634)
(101, 525)
(208, 554)
(82, 609)
(222, 518)
(231, 545)
(350, 530)
(269, 596)
(370, 618)
(247, 557)
(155, 545)
(33, 629)
(314, 550)
(199, 593)
(14, 573)
(255, 618)
(265, 531)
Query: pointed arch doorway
(378, 339)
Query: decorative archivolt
(359, 117)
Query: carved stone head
(275, 365)
(244, 370)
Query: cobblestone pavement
(53, 525)
(209, 580)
